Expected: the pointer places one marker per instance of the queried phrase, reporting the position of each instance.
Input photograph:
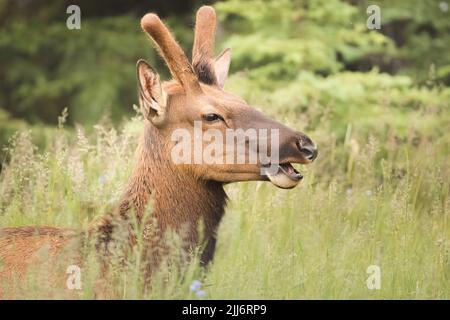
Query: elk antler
(172, 53)
(203, 49)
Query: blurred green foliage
(309, 57)
(284, 37)
(47, 67)
(307, 61)
(50, 64)
(420, 30)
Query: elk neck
(177, 197)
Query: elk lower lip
(290, 171)
(285, 177)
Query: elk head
(196, 105)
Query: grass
(367, 200)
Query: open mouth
(284, 175)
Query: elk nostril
(309, 152)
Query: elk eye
(212, 117)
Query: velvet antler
(172, 53)
(203, 49)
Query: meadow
(375, 201)
(377, 195)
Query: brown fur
(203, 49)
(173, 54)
(182, 196)
(40, 248)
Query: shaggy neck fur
(169, 199)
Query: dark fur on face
(205, 72)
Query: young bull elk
(182, 195)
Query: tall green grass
(367, 200)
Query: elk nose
(308, 149)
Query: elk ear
(221, 66)
(151, 96)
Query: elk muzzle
(298, 149)
(307, 148)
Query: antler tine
(172, 53)
(203, 49)
(205, 30)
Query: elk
(182, 195)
